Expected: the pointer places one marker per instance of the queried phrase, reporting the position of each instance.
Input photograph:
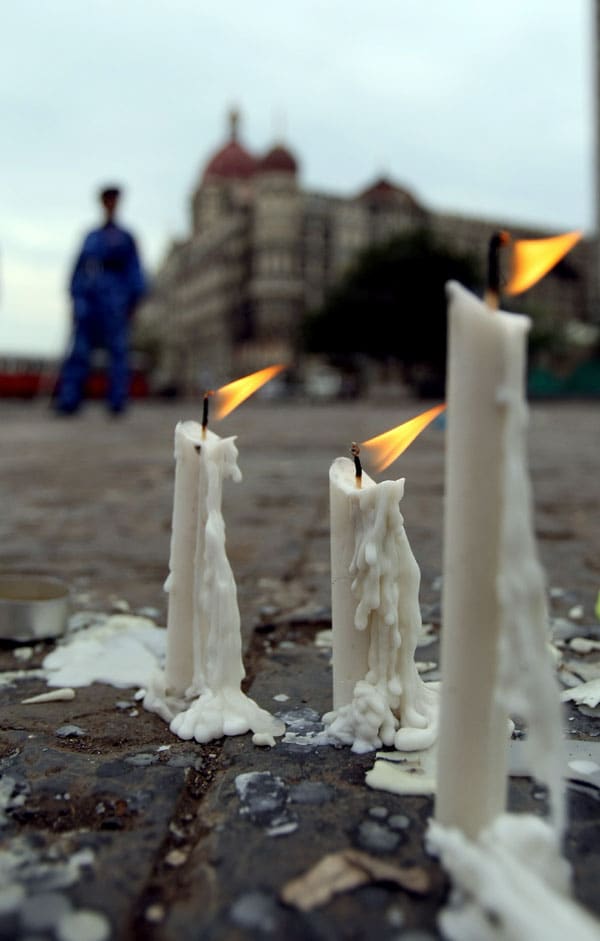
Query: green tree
(392, 305)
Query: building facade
(262, 250)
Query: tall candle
(494, 630)
(378, 695)
(200, 693)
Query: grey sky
(478, 107)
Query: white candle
(379, 697)
(200, 694)
(493, 653)
(511, 884)
(180, 582)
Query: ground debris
(64, 694)
(346, 870)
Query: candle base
(512, 882)
(210, 715)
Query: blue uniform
(106, 284)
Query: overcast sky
(478, 107)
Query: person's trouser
(93, 329)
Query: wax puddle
(414, 773)
(404, 772)
(123, 651)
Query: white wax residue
(63, 694)
(586, 694)
(124, 651)
(399, 773)
(584, 767)
(512, 884)
(214, 705)
(391, 705)
(526, 683)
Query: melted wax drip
(391, 705)
(214, 705)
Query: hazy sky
(478, 107)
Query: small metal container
(32, 607)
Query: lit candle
(493, 652)
(200, 692)
(495, 661)
(378, 694)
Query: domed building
(262, 250)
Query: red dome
(383, 191)
(231, 162)
(277, 160)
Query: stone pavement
(158, 841)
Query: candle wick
(207, 396)
(355, 451)
(494, 275)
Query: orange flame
(387, 447)
(230, 396)
(533, 258)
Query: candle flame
(234, 393)
(533, 258)
(387, 447)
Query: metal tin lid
(32, 607)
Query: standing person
(106, 285)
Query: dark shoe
(64, 411)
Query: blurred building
(229, 298)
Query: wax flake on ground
(263, 740)
(585, 670)
(584, 645)
(587, 694)
(581, 766)
(324, 638)
(64, 694)
(346, 870)
(402, 773)
(510, 884)
(70, 731)
(83, 926)
(10, 677)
